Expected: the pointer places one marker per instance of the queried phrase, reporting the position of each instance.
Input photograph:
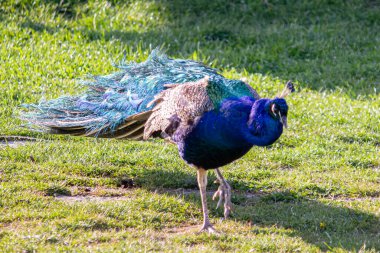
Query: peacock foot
(207, 227)
(224, 194)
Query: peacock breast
(211, 157)
(216, 139)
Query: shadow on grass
(325, 225)
(269, 37)
(38, 27)
(321, 224)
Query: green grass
(316, 189)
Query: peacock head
(278, 109)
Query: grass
(316, 189)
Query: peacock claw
(208, 228)
(224, 194)
(218, 194)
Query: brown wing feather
(178, 106)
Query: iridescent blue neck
(222, 136)
(263, 129)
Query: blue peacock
(212, 120)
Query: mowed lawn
(316, 189)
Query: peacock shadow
(322, 223)
(325, 225)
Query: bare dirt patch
(94, 194)
(347, 199)
(15, 141)
(183, 229)
(74, 199)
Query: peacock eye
(274, 109)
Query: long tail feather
(112, 102)
(117, 105)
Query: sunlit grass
(316, 189)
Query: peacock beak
(284, 121)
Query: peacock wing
(178, 107)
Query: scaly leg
(202, 182)
(224, 193)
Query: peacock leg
(224, 193)
(202, 182)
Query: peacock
(212, 120)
